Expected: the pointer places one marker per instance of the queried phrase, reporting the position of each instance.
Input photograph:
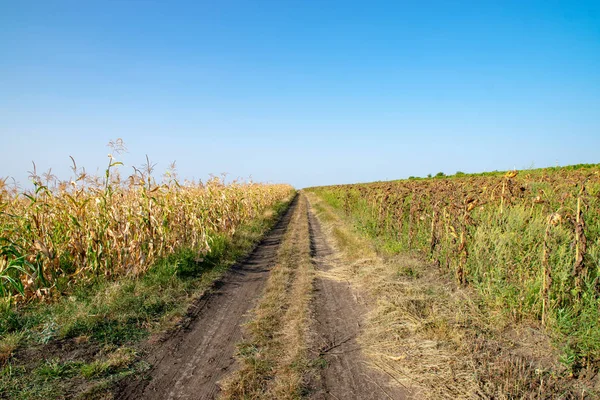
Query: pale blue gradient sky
(306, 92)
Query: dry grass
(429, 334)
(274, 358)
(8, 344)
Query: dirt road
(190, 364)
(337, 322)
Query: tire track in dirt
(190, 363)
(337, 322)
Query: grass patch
(62, 378)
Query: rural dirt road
(191, 363)
(337, 319)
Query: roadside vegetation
(489, 280)
(92, 266)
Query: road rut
(337, 322)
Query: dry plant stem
(546, 271)
(579, 269)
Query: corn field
(528, 241)
(62, 233)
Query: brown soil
(338, 317)
(190, 363)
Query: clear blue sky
(305, 92)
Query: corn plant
(62, 233)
